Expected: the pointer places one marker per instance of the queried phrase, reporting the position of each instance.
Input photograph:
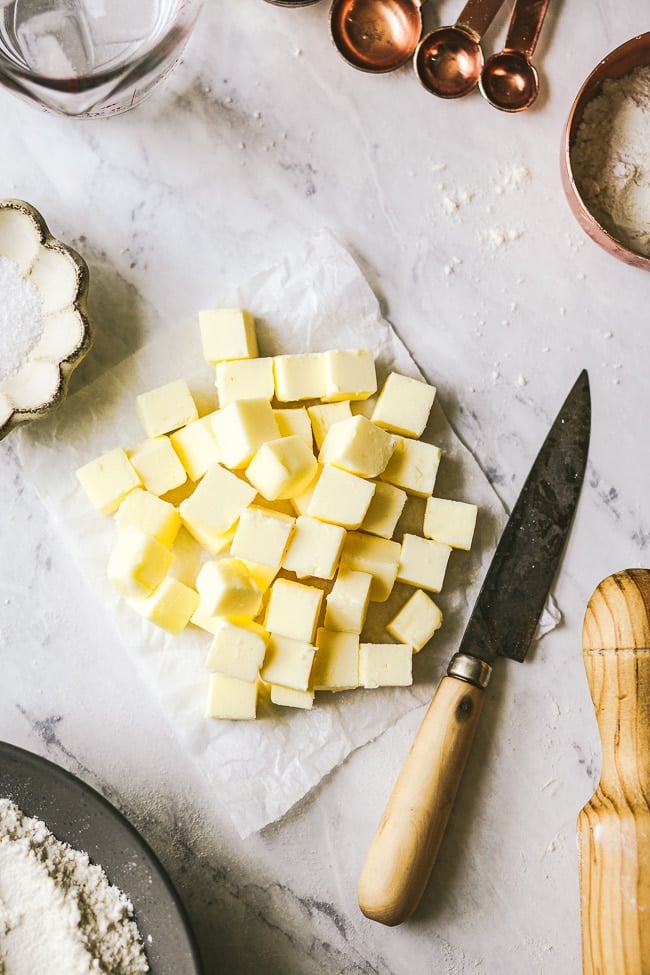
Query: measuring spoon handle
(525, 26)
(477, 15)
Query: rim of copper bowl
(619, 62)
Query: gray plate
(78, 815)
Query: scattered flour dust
(515, 178)
(611, 158)
(21, 322)
(58, 912)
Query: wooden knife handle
(614, 826)
(405, 846)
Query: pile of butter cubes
(293, 493)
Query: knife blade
(503, 622)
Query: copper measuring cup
(448, 60)
(508, 80)
(376, 35)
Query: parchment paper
(314, 300)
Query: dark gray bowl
(78, 815)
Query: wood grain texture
(403, 851)
(614, 826)
(618, 613)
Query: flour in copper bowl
(610, 158)
(58, 912)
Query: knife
(614, 826)
(503, 622)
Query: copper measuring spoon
(448, 61)
(509, 81)
(376, 35)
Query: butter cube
(346, 605)
(349, 374)
(216, 503)
(138, 563)
(227, 588)
(166, 408)
(323, 415)
(314, 548)
(385, 665)
(212, 542)
(450, 522)
(293, 609)
(385, 509)
(262, 536)
(357, 446)
(244, 379)
(282, 468)
(196, 446)
(262, 574)
(423, 562)
(336, 664)
(237, 649)
(416, 621)
(378, 556)
(158, 465)
(288, 662)
(340, 498)
(108, 479)
(288, 697)
(299, 377)
(294, 422)
(149, 514)
(413, 466)
(170, 606)
(204, 620)
(241, 428)
(403, 405)
(300, 502)
(231, 699)
(227, 333)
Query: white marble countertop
(260, 138)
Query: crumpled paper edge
(260, 769)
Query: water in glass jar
(77, 38)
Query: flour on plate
(58, 912)
(611, 158)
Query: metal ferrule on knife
(470, 669)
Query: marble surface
(260, 138)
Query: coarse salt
(21, 320)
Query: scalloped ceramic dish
(37, 384)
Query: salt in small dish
(44, 326)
